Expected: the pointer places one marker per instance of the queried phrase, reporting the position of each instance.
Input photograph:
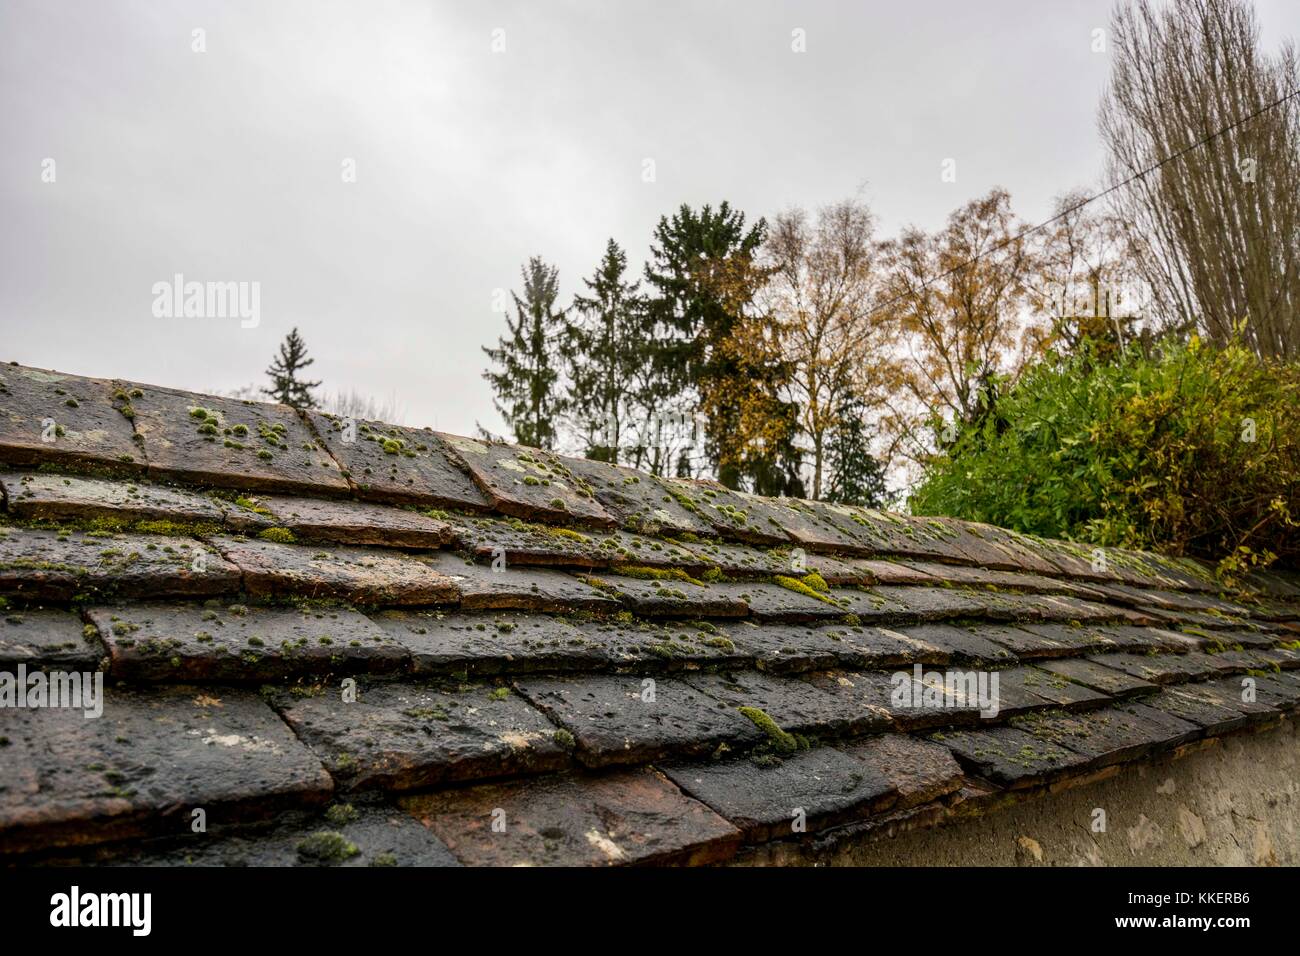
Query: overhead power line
(1091, 199)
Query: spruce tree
(605, 347)
(525, 382)
(287, 387)
(856, 476)
(705, 275)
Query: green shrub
(1143, 451)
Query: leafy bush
(1192, 450)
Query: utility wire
(1091, 199)
(1077, 206)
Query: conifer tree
(856, 477)
(605, 348)
(705, 275)
(287, 385)
(525, 380)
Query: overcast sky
(228, 164)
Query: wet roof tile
(590, 616)
(631, 817)
(153, 754)
(402, 736)
(398, 464)
(231, 443)
(528, 483)
(47, 416)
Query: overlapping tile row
(103, 426)
(738, 730)
(375, 645)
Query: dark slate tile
(515, 541)
(1019, 551)
(1281, 691)
(626, 818)
(637, 500)
(737, 560)
(886, 533)
(231, 443)
(1187, 704)
(785, 600)
(1111, 735)
(141, 767)
(36, 496)
(910, 604)
(346, 834)
(1108, 680)
(797, 706)
(1160, 668)
(1173, 600)
(1230, 693)
(179, 642)
(1183, 574)
(1024, 689)
(1072, 639)
(1227, 662)
(357, 522)
(891, 572)
(864, 647)
(404, 736)
(1031, 642)
(802, 793)
(868, 606)
(624, 548)
(1052, 688)
(786, 647)
(480, 644)
(245, 513)
(1214, 641)
(732, 514)
(964, 645)
(517, 588)
(528, 483)
(380, 836)
(60, 565)
(883, 697)
(1125, 637)
(987, 578)
(668, 644)
(626, 719)
(919, 771)
(1073, 561)
(48, 416)
(670, 597)
(397, 464)
(47, 637)
(964, 537)
(1264, 637)
(271, 569)
(834, 570)
(1014, 606)
(1010, 757)
(817, 527)
(1193, 619)
(1273, 583)
(1223, 663)
(1279, 658)
(457, 643)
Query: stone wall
(1234, 803)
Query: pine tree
(525, 389)
(605, 347)
(856, 477)
(287, 387)
(705, 276)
